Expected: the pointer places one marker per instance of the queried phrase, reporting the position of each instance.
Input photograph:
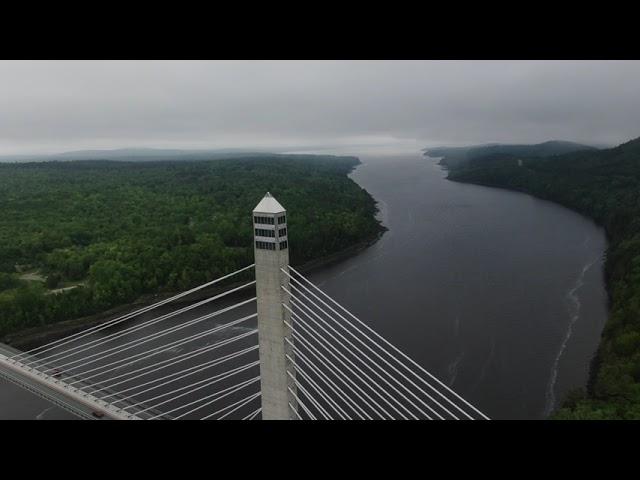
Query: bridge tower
(271, 252)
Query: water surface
(499, 294)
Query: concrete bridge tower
(271, 251)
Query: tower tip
(269, 204)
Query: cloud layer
(57, 106)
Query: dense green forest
(604, 185)
(80, 237)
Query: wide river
(497, 293)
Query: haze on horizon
(56, 106)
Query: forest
(80, 237)
(604, 185)
(457, 157)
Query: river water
(497, 293)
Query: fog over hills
(453, 154)
(134, 154)
(456, 156)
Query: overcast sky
(55, 106)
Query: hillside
(455, 157)
(134, 155)
(102, 233)
(604, 185)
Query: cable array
(191, 362)
(201, 361)
(344, 369)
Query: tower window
(265, 245)
(282, 219)
(282, 232)
(263, 220)
(261, 232)
(283, 245)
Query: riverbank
(603, 186)
(36, 336)
(594, 361)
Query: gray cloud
(56, 106)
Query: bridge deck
(82, 404)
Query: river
(499, 294)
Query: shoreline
(449, 171)
(592, 368)
(38, 336)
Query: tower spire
(271, 250)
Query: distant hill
(605, 185)
(134, 155)
(455, 157)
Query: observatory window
(283, 245)
(263, 220)
(282, 232)
(282, 219)
(265, 245)
(260, 232)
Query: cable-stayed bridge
(262, 342)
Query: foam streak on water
(452, 369)
(41, 415)
(574, 311)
